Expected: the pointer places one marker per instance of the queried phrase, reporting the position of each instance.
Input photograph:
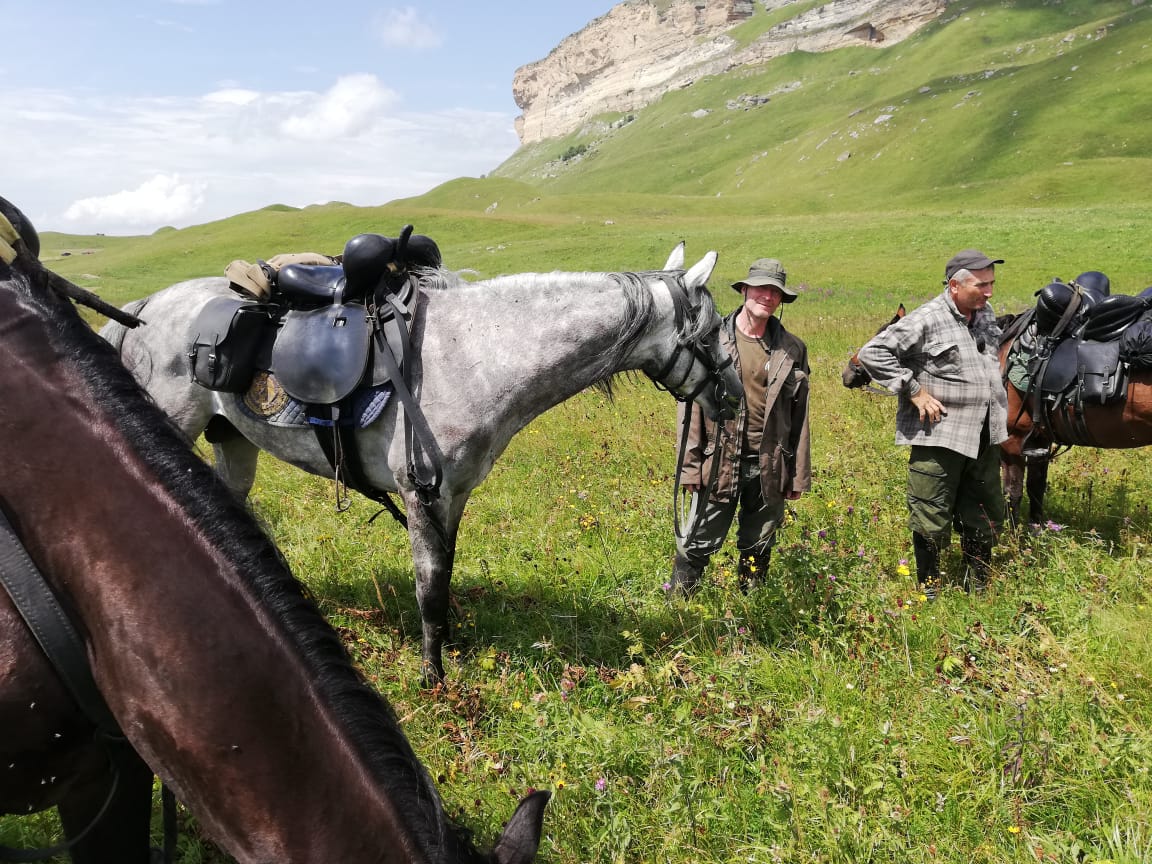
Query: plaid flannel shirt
(934, 348)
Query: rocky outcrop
(641, 49)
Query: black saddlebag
(226, 342)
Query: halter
(683, 310)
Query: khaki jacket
(785, 449)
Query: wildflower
(821, 533)
(902, 569)
(601, 784)
(1053, 526)
(667, 586)
(517, 705)
(1013, 829)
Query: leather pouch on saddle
(1101, 375)
(227, 337)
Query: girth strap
(342, 451)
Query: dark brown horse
(221, 673)
(1119, 425)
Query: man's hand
(931, 408)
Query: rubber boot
(752, 568)
(685, 576)
(927, 565)
(977, 560)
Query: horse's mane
(218, 514)
(639, 307)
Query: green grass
(831, 716)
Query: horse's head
(699, 369)
(854, 374)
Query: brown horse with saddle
(1077, 369)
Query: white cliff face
(642, 49)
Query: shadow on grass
(558, 619)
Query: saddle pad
(268, 402)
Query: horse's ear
(521, 836)
(900, 313)
(701, 271)
(676, 259)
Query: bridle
(694, 346)
(860, 372)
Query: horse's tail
(113, 332)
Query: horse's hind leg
(1037, 486)
(123, 834)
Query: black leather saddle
(320, 345)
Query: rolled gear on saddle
(256, 280)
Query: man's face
(973, 291)
(762, 301)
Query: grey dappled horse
(489, 356)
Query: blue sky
(123, 116)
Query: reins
(686, 520)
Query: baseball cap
(969, 259)
(767, 271)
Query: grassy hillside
(1013, 102)
(832, 716)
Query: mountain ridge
(641, 49)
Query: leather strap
(52, 629)
(418, 434)
(60, 642)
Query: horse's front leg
(1012, 475)
(122, 833)
(432, 534)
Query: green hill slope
(1020, 101)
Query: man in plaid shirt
(941, 360)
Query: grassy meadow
(831, 715)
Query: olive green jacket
(785, 448)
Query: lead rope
(685, 534)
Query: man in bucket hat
(941, 360)
(763, 450)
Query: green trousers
(947, 489)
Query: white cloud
(406, 28)
(162, 198)
(350, 107)
(117, 165)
